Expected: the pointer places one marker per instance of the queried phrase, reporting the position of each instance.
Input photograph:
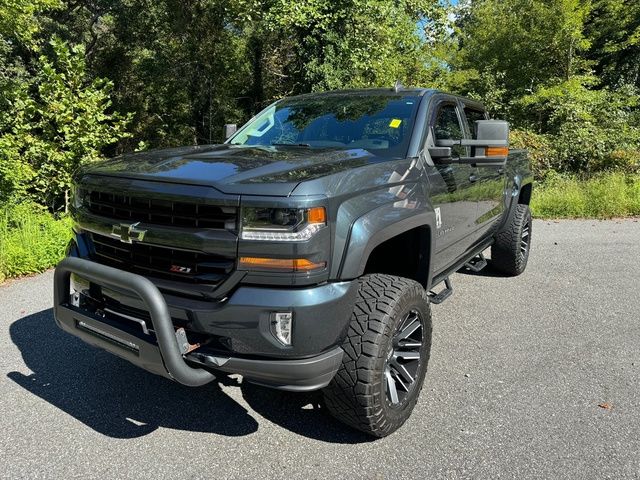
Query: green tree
(532, 62)
(510, 47)
(613, 28)
(586, 128)
(352, 44)
(60, 120)
(179, 67)
(186, 68)
(20, 19)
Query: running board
(477, 263)
(442, 295)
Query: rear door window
(471, 115)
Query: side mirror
(229, 129)
(492, 131)
(492, 142)
(440, 154)
(491, 145)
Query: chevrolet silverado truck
(303, 253)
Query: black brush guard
(162, 358)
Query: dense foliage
(81, 79)
(566, 73)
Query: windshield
(380, 124)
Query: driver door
(451, 188)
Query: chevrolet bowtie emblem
(128, 233)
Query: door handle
(473, 178)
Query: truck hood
(235, 169)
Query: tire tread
(505, 252)
(351, 397)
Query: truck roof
(405, 91)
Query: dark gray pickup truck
(304, 253)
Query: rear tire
(510, 252)
(386, 353)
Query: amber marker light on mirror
(497, 151)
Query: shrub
(627, 161)
(571, 127)
(31, 239)
(55, 121)
(539, 148)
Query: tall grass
(31, 239)
(605, 195)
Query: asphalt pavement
(530, 377)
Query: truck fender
(378, 226)
(513, 192)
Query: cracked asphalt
(530, 377)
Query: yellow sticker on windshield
(395, 123)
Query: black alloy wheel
(403, 364)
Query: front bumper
(243, 320)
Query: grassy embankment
(605, 195)
(31, 239)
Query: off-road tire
(358, 394)
(510, 252)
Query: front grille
(161, 212)
(161, 262)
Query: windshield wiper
(306, 145)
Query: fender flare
(373, 229)
(516, 184)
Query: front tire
(510, 252)
(386, 353)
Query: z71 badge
(179, 269)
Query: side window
(471, 115)
(446, 126)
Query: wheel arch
(521, 190)
(372, 236)
(524, 197)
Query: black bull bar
(163, 358)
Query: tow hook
(183, 342)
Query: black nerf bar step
(442, 295)
(165, 358)
(477, 263)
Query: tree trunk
(257, 87)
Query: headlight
(282, 224)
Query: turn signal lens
(280, 264)
(317, 215)
(497, 151)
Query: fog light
(282, 326)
